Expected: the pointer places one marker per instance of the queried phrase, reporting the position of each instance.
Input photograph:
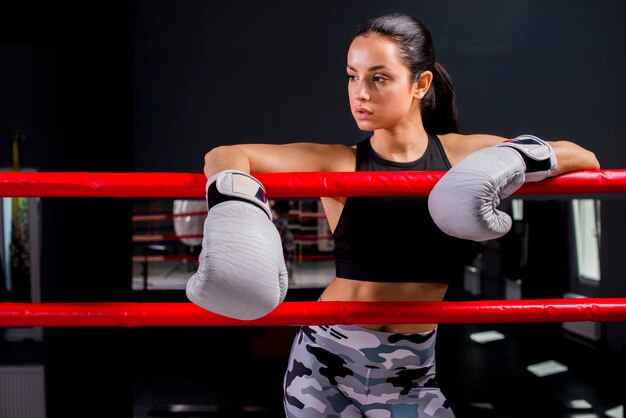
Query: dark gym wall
(66, 85)
(151, 85)
(208, 74)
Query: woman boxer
(387, 248)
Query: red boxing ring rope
(295, 184)
(299, 185)
(126, 314)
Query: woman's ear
(423, 84)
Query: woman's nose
(360, 92)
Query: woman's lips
(362, 113)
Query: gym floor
(487, 379)
(574, 377)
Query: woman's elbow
(210, 158)
(213, 154)
(225, 157)
(575, 157)
(588, 159)
(594, 164)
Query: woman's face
(381, 92)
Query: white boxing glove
(463, 203)
(241, 270)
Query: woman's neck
(401, 144)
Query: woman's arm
(569, 155)
(463, 203)
(241, 271)
(264, 158)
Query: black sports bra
(393, 239)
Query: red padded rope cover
(28, 184)
(127, 314)
(296, 184)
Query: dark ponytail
(439, 110)
(415, 45)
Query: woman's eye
(350, 77)
(379, 79)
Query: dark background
(152, 85)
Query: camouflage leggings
(348, 371)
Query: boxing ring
(299, 185)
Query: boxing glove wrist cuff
(236, 185)
(538, 156)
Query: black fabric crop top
(393, 239)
